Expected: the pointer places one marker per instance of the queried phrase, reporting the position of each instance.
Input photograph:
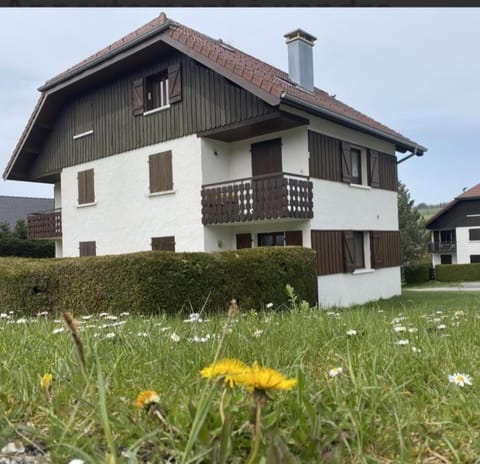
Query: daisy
(174, 337)
(110, 335)
(269, 305)
(351, 332)
(402, 342)
(335, 371)
(460, 379)
(399, 328)
(58, 330)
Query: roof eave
(400, 143)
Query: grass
(390, 404)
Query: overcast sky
(415, 70)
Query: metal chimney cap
(300, 34)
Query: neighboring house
(171, 140)
(456, 230)
(14, 208)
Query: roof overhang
(401, 144)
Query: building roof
(14, 208)
(470, 194)
(266, 82)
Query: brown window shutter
(374, 169)
(325, 161)
(376, 250)
(81, 187)
(349, 250)
(163, 243)
(266, 157)
(244, 241)
(161, 175)
(293, 238)
(328, 245)
(86, 187)
(174, 83)
(88, 248)
(346, 163)
(137, 97)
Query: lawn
(372, 384)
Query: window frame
(156, 95)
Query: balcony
(46, 225)
(441, 247)
(273, 196)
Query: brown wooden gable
(200, 100)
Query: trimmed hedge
(416, 274)
(457, 272)
(14, 246)
(158, 282)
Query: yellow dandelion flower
(264, 378)
(46, 381)
(226, 369)
(146, 398)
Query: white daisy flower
(86, 318)
(335, 371)
(194, 317)
(174, 337)
(399, 328)
(269, 305)
(351, 332)
(58, 330)
(416, 350)
(103, 315)
(142, 334)
(441, 327)
(412, 330)
(125, 314)
(402, 342)
(257, 333)
(460, 379)
(110, 335)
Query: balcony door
(267, 157)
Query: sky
(415, 70)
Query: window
(161, 176)
(86, 190)
(88, 248)
(474, 234)
(244, 241)
(83, 118)
(445, 259)
(356, 166)
(475, 258)
(157, 91)
(163, 243)
(359, 256)
(288, 238)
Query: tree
(20, 230)
(414, 236)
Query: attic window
(157, 91)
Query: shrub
(13, 246)
(457, 272)
(418, 273)
(158, 282)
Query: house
(456, 230)
(13, 209)
(171, 140)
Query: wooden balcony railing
(272, 196)
(439, 247)
(45, 225)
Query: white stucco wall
(125, 216)
(347, 289)
(465, 246)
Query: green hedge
(457, 272)
(416, 274)
(13, 246)
(158, 282)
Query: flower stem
(257, 438)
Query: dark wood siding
(161, 176)
(83, 116)
(328, 245)
(325, 157)
(86, 187)
(163, 243)
(458, 216)
(208, 101)
(88, 248)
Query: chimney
(300, 57)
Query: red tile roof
(267, 78)
(471, 193)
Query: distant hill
(427, 211)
